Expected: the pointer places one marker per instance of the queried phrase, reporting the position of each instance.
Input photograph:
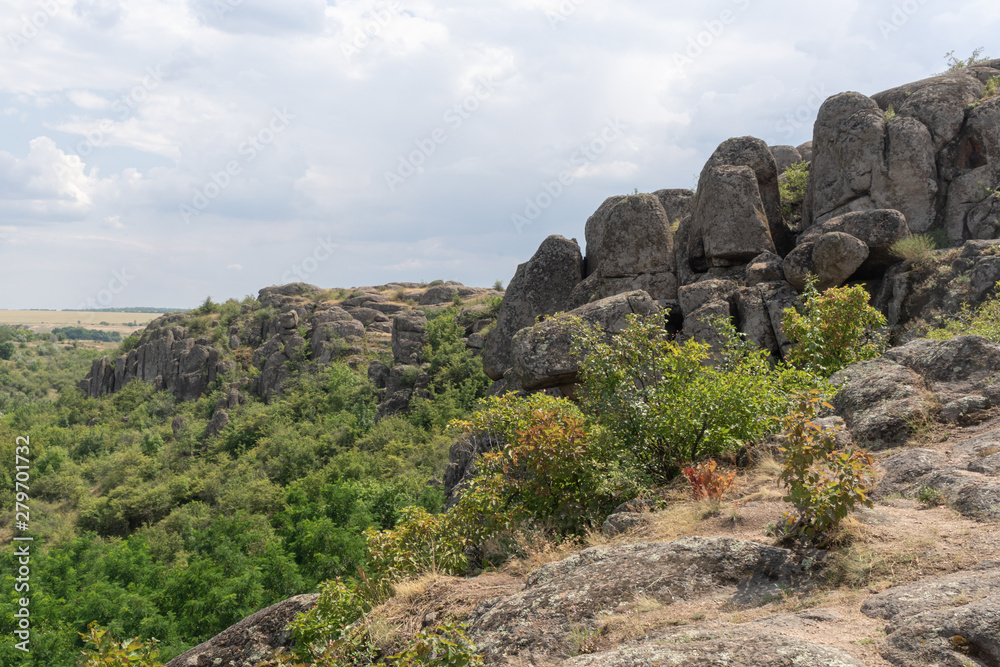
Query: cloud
(94, 153)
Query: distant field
(44, 321)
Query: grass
(917, 248)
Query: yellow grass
(44, 321)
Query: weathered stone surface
(883, 399)
(742, 645)
(945, 620)
(541, 353)
(785, 157)
(573, 592)
(701, 325)
(848, 144)
(694, 296)
(334, 331)
(755, 320)
(251, 641)
(729, 214)
(798, 265)
(540, 286)
(629, 235)
(837, 256)
(661, 286)
(764, 268)
(806, 151)
(778, 297)
(408, 329)
(878, 229)
(677, 203)
(907, 182)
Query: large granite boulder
(928, 149)
(573, 593)
(251, 641)
(883, 400)
(950, 620)
(540, 286)
(541, 353)
(629, 247)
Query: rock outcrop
(572, 592)
(883, 400)
(541, 354)
(540, 286)
(250, 641)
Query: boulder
(251, 641)
(798, 265)
(785, 157)
(677, 203)
(694, 296)
(947, 620)
(878, 229)
(764, 268)
(907, 181)
(540, 286)
(575, 592)
(541, 353)
(729, 214)
(806, 151)
(884, 399)
(408, 334)
(836, 256)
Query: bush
(6, 350)
(446, 645)
(955, 64)
(792, 189)
(706, 483)
(984, 321)
(824, 483)
(666, 407)
(837, 329)
(420, 542)
(550, 471)
(103, 650)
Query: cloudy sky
(153, 152)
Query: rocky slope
(915, 585)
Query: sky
(155, 152)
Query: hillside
(393, 474)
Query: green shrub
(955, 64)
(824, 483)
(836, 329)
(6, 350)
(207, 307)
(103, 650)
(420, 542)
(446, 645)
(550, 471)
(665, 406)
(498, 285)
(984, 321)
(792, 188)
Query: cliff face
(254, 350)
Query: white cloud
(367, 80)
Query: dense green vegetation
(150, 527)
(155, 531)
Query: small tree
(836, 329)
(666, 406)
